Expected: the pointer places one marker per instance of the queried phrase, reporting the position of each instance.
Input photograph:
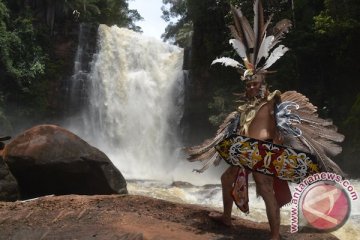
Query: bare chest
(263, 124)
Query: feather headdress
(256, 49)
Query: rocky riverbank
(124, 217)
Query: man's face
(253, 88)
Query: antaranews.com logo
(322, 201)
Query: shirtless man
(262, 127)
(255, 118)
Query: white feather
(264, 48)
(274, 42)
(239, 47)
(228, 62)
(256, 18)
(275, 55)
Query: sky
(152, 25)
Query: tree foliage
(21, 57)
(179, 32)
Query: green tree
(337, 30)
(118, 12)
(179, 32)
(21, 58)
(22, 61)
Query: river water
(210, 196)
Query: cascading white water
(135, 102)
(132, 104)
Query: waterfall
(134, 103)
(77, 90)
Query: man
(287, 118)
(262, 127)
(257, 120)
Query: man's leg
(264, 186)
(227, 179)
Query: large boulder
(48, 159)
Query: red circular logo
(325, 206)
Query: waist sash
(268, 158)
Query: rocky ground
(124, 217)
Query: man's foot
(219, 218)
(279, 237)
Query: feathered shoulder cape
(297, 121)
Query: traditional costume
(297, 120)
